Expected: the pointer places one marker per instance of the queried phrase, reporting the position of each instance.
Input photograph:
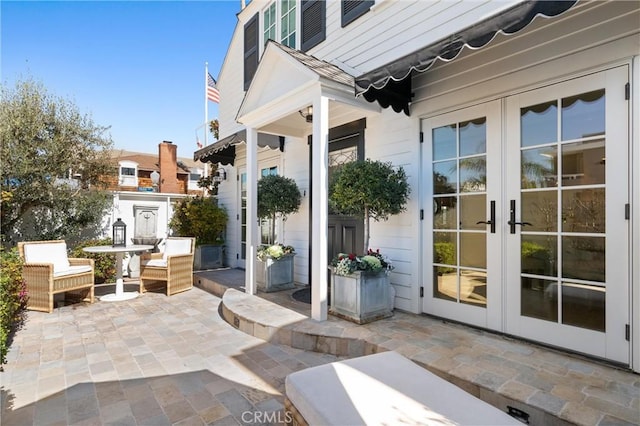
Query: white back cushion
(180, 246)
(55, 253)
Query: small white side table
(120, 294)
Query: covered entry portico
(287, 82)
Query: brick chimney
(168, 158)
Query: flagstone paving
(553, 387)
(153, 360)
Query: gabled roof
(322, 68)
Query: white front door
(549, 169)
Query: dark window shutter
(314, 19)
(353, 9)
(251, 30)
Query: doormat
(303, 295)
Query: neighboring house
(521, 151)
(146, 207)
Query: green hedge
(13, 299)
(105, 263)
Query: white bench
(384, 388)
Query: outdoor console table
(119, 295)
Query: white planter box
(360, 297)
(275, 275)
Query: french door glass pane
(445, 214)
(539, 124)
(445, 250)
(540, 209)
(444, 142)
(583, 115)
(473, 174)
(540, 255)
(473, 137)
(583, 210)
(539, 298)
(473, 287)
(539, 167)
(445, 283)
(472, 210)
(473, 249)
(445, 177)
(583, 163)
(583, 306)
(583, 258)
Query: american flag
(212, 91)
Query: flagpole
(206, 113)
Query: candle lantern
(119, 233)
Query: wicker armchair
(47, 271)
(173, 268)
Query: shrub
(13, 299)
(104, 263)
(201, 218)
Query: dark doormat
(304, 296)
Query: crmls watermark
(272, 417)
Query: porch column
(252, 211)
(320, 173)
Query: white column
(320, 164)
(252, 210)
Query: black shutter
(353, 9)
(251, 50)
(314, 20)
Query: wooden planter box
(275, 275)
(360, 297)
(208, 256)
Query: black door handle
(512, 218)
(491, 221)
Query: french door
(528, 234)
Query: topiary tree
(369, 189)
(277, 196)
(199, 217)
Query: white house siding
(231, 84)
(396, 28)
(392, 137)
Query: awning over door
(390, 85)
(224, 150)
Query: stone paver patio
(153, 360)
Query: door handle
(512, 218)
(492, 220)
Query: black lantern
(119, 233)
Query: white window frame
(277, 24)
(127, 180)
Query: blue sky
(137, 66)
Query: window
(288, 23)
(269, 19)
(128, 173)
(265, 224)
(353, 9)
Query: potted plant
(360, 288)
(202, 218)
(278, 197)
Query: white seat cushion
(77, 269)
(385, 388)
(179, 246)
(55, 253)
(155, 262)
